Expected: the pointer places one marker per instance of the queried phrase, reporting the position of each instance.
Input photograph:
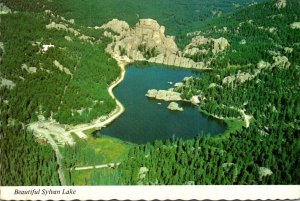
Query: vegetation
(176, 15)
(25, 162)
(147, 52)
(94, 151)
(69, 80)
(104, 176)
(264, 153)
(57, 93)
(47, 82)
(207, 161)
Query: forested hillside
(53, 67)
(52, 80)
(256, 77)
(176, 15)
(24, 161)
(49, 67)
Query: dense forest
(57, 68)
(176, 15)
(24, 161)
(47, 71)
(75, 67)
(267, 151)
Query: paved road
(108, 165)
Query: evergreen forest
(53, 64)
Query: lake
(145, 119)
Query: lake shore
(97, 124)
(62, 133)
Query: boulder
(280, 4)
(142, 172)
(178, 84)
(4, 9)
(168, 95)
(162, 95)
(195, 100)
(262, 64)
(263, 171)
(68, 38)
(295, 25)
(165, 95)
(219, 44)
(7, 83)
(62, 68)
(174, 106)
(224, 165)
(281, 62)
(30, 70)
(243, 42)
(116, 25)
(151, 93)
(46, 47)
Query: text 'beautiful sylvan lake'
(146, 120)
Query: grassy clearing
(94, 151)
(233, 125)
(111, 149)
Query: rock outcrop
(117, 26)
(165, 95)
(4, 9)
(239, 77)
(45, 48)
(263, 172)
(174, 106)
(295, 25)
(281, 62)
(142, 172)
(195, 100)
(209, 44)
(30, 70)
(280, 4)
(7, 83)
(145, 42)
(62, 68)
(65, 27)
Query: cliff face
(145, 42)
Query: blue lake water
(145, 119)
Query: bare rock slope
(145, 42)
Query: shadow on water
(146, 120)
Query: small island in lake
(149, 93)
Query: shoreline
(63, 132)
(115, 113)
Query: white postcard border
(263, 192)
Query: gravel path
(108, 165)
